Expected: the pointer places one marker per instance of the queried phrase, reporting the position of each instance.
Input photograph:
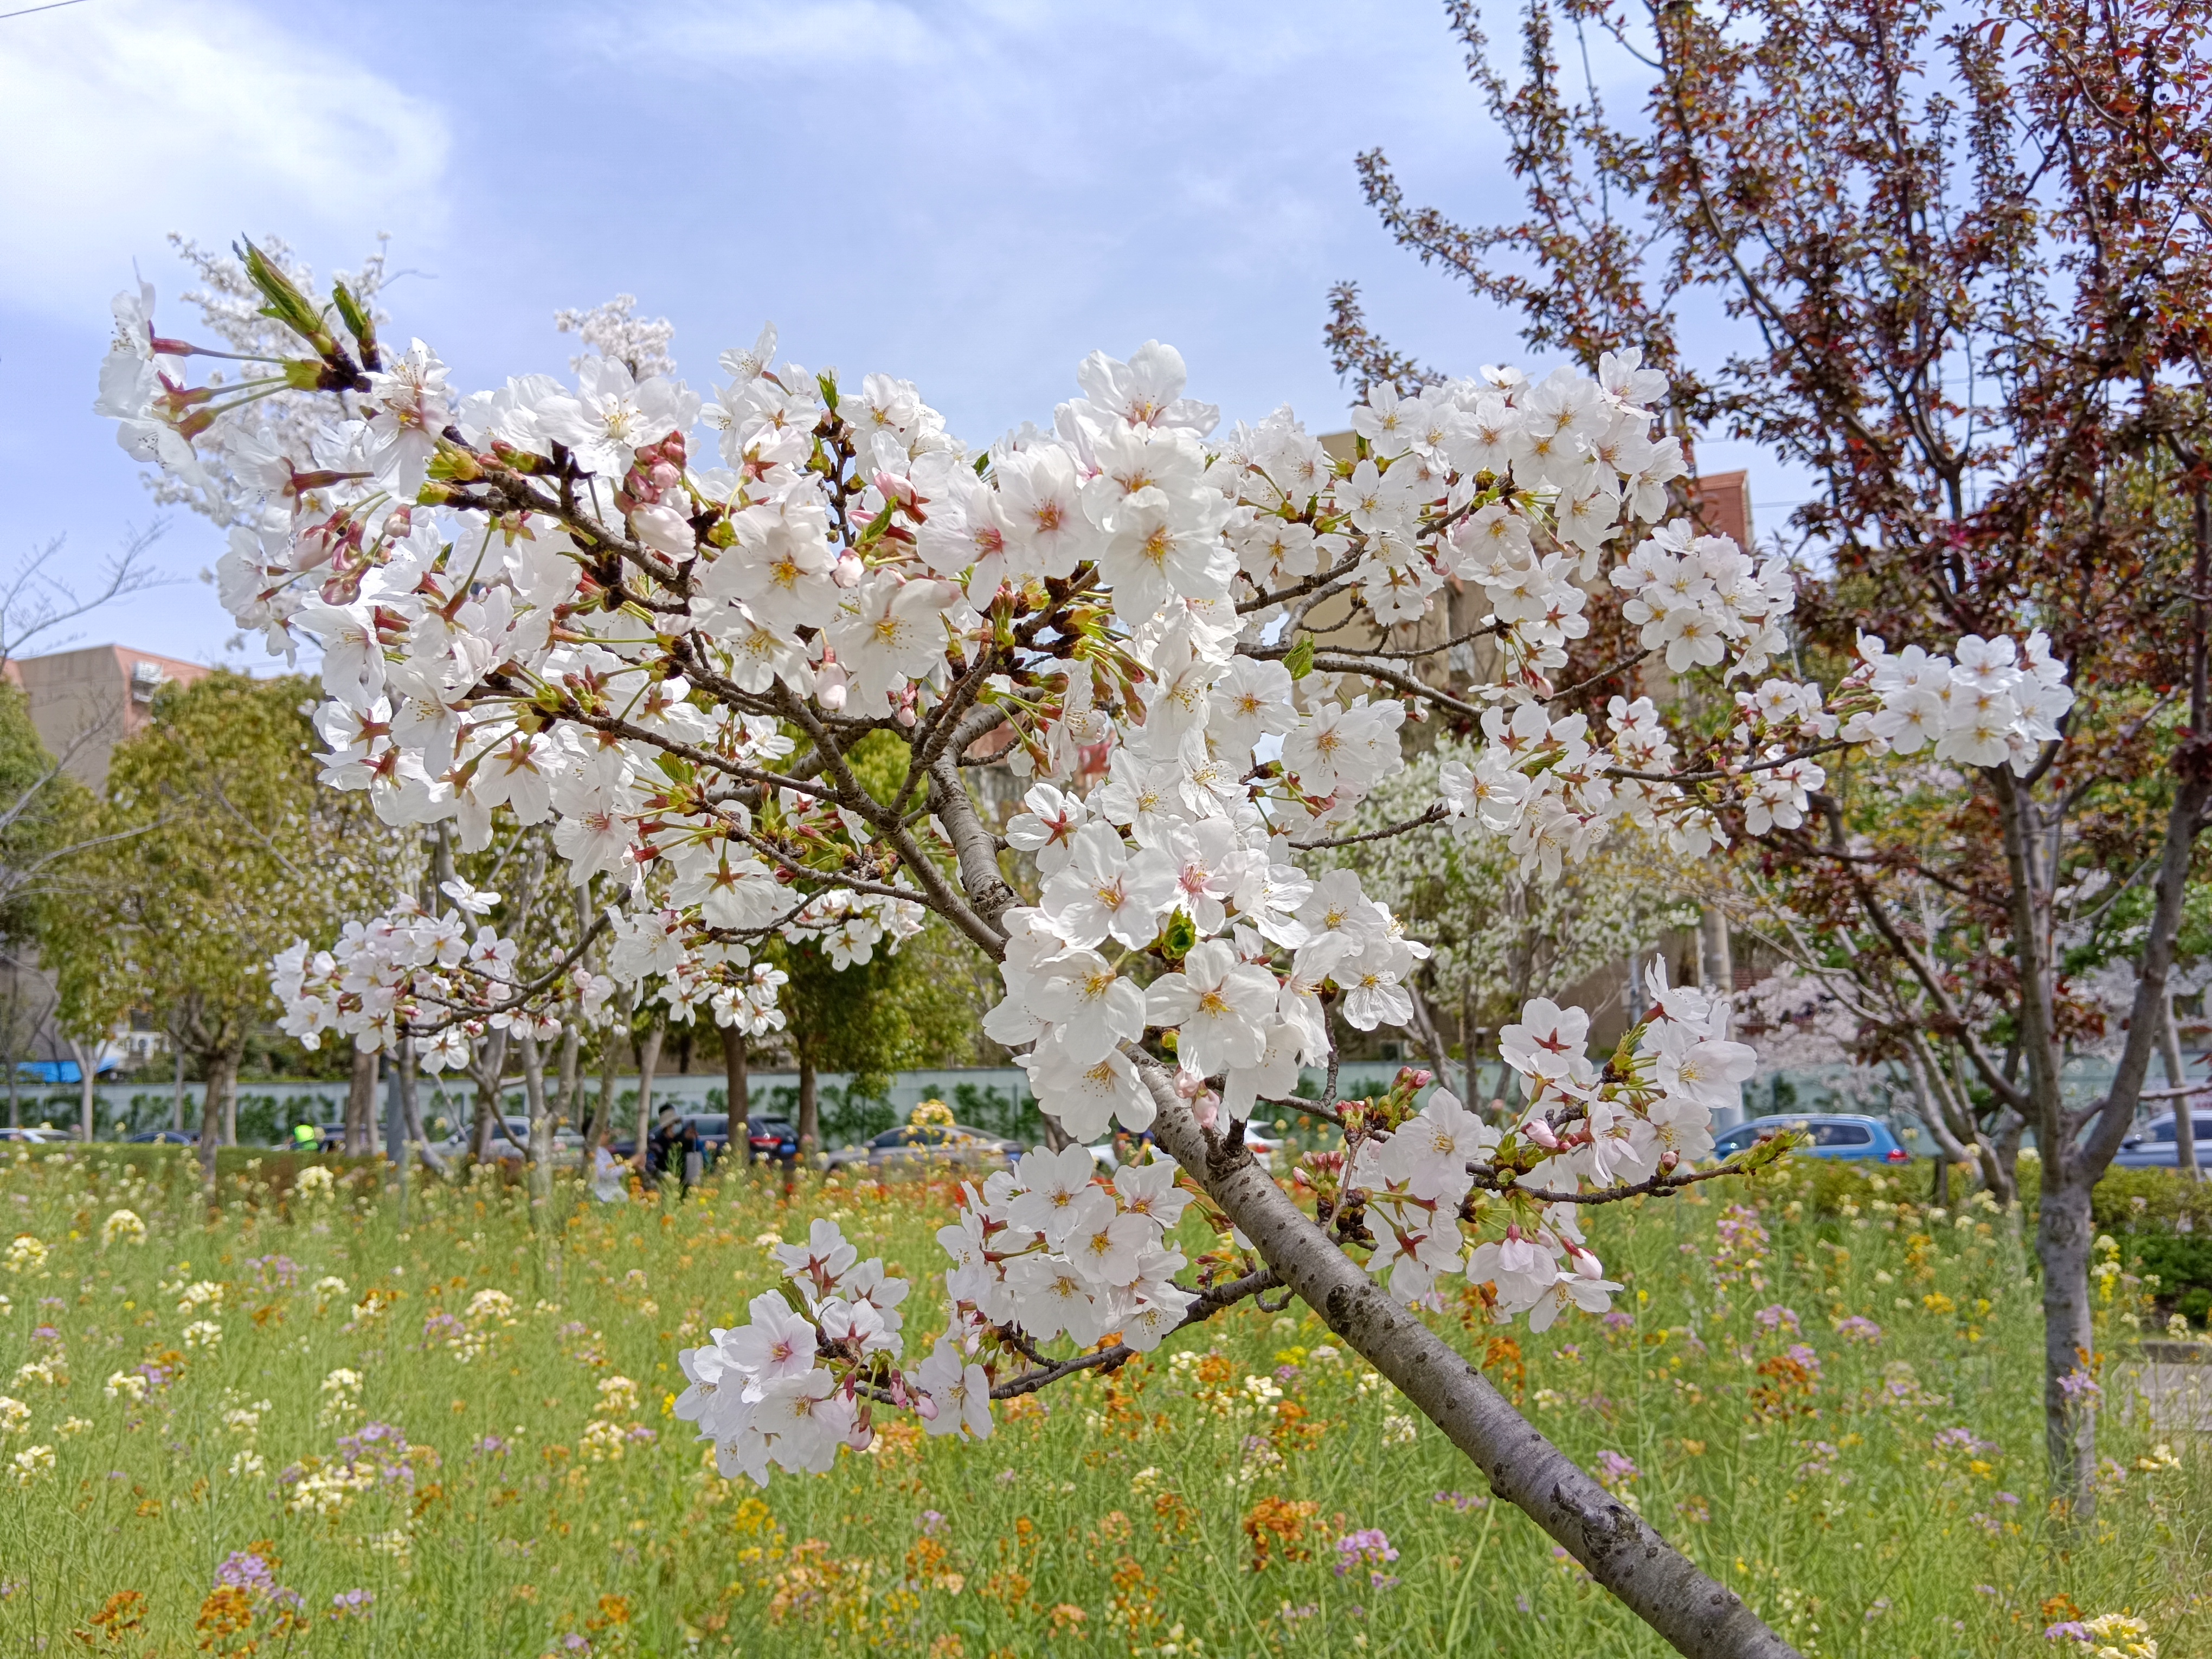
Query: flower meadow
(301, 1427)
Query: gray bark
(543, 1222)
(360, 1102)
(220, 1068)
(648, 1057)
(2177, 1077)
(737, 1088)
(87, 1085)
(1695, 1614)
(810, 1109)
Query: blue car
(1831, 1134)
(2154, 1145)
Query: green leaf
(1300, 661)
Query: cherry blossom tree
(665, 623)
(1965, 254)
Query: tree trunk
(230, 1109)
(221, 1069)
(87, 1083)
(810, 1113)
(572, 1045)
(1432, 1039)
(488, 1071)
(2062, 1235)
(361, 1102)
(648, 1057)
(737, 1087)
(411, 1118)
(1716, 957)
(177, 1101)
(603, 1117)
(2177, 1077)
(1698, 1614)
(543, 1222)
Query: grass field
(300, 1429)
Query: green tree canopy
(217, 848)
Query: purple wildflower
(245, 1570)
(1615, 1471)
(932, 1522)
(1774, 1316)
(1370, 1550)
(1858, 1328)
(490, 1446)
(1802, 1355)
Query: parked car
(163, 1138)
(912, 1151)
(510, 1147)
(771, 1141)
(2155, 1146)
(34, 1137)
(1108, 1154)
(1831, 1134)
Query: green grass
(1112, 1516)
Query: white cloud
(124, 120)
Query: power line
(56, 5)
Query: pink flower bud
(1540, 1131)
(925, 1408)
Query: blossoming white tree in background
(662, 622)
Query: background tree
(1497, 937)
(217, 848)
(1968, 254)
(895, 1010)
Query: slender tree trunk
(543, 1222)
(177, 1101)
(810, 1111)
(220, 1066)
(1716, 957)
(648, 1057)
(2063, 1236)
(230, 1109)
(86, 1084)
(2177, 1077)
(603, 1117)
(360, 1102)
(737, 1086)
(1696, 1613)
(489, 1070)
(1432, 1039)
(410, 1117)
(572, 1047)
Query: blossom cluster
(1042, 1252)
(1997, 704)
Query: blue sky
(971, 194)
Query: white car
(1263, 1147)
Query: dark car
(162, 1137)
(771, 1141)
(2155, 1145)
(1831, 1134)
